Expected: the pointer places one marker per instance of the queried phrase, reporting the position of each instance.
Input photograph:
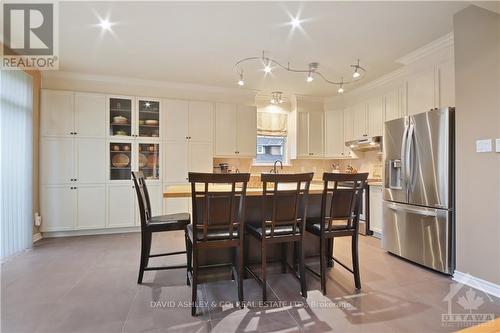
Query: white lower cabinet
(121, 205)
(58, 204)
(90, 207)
(376, 210)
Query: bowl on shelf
(115, 148)
(120, 120)
(120, 132)
(151, 148)
(120, 161)
(126, 148)
(151, 122)
(143, 160)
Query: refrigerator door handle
(408, 152)
(403, 154)
(422, 211)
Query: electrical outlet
(38, 220)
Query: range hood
(366, 144)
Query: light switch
(497, 145)
(484, 146)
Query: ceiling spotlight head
(309, 78)
(267, 69)
(241, 82)
(341, 90)
(356, 74)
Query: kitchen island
(253, 216)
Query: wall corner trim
(37, 237)
(432, 47)
(475, 282)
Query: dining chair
(151, 224)
(283, 217)
(339, 217)
(218, 220)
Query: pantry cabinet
(310, 134)
(58, 116)
(90, 115)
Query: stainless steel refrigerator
(418, 208)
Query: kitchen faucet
(274, 170)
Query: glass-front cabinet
(128, 155)
(149, 160)
(148, 118)
(120, 160)
(121, 116)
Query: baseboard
(377, 234)
(37, 237)
(90, 232)
(475, 282)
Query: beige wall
(477, 68)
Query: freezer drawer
(419, 234)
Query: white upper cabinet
(334, 133)
(348, 125)
(57, 113)
(246, 124)
(225, 129)
(235, 130)
(421, 92)
(360, 126)
(175, 120)
(310, 130)
(393, 105)
(375, 110)
(446, 79)
(90, 114)
(201, 119)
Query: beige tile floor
(88, 284)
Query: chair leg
(302, 270)
(194, 285)
(263, 270)
(145, 251)
(283, 257)
(355, 261)
(245, 256)
(189, 253)
(329, 250)
(322, 261)
(240, 274)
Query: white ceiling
(199, 42)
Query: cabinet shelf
(150, 126)
(120, 110)
(121, 151)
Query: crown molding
(144, 82)
(439, 44)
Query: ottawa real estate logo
(29, 36)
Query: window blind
(16, 151)
(271, 124)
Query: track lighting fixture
(241, 82)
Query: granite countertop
(184, 190)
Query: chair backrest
(142, 197)
(341, 199)
(218, 203)
(284, 201)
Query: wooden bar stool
(151, 224)
(218, 222)
(284, 210)
(340, 209)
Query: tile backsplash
(370, 162)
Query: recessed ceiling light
(105, 24)
(295, 22)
